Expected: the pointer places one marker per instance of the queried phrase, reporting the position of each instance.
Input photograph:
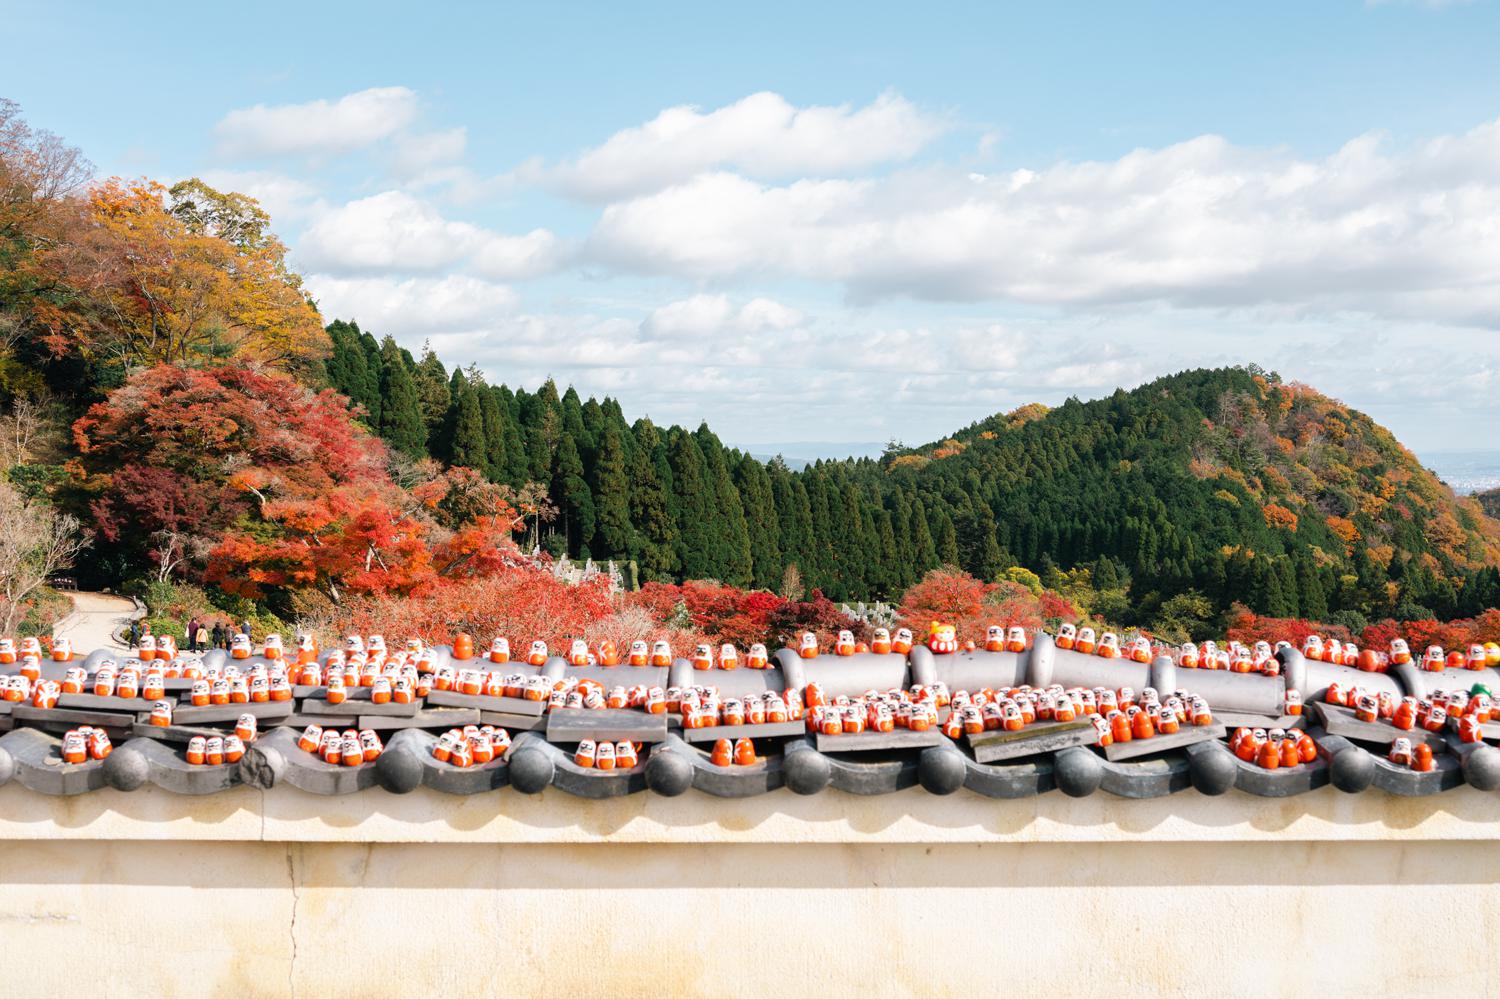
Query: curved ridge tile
(169, 769)
(446, 777)
(307, 772)
(585, 783)
(726, 782)
(848, 773)
(1151, 777)
(39, 767)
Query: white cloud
(321, 126)
(420, 156)
(396, 232)
(391, 231)
(768, 314)
(761, 135)
(512, 258)
(1199, 224)
(413, 307)
(706, 315)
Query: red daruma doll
(245, 727)
(331, 748)
(401, 690)
(352, 753)
(75, 746)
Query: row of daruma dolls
(1464, 712)
(29, 650)
(347, 749)
(1435, 659)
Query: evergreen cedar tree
(1224, 484)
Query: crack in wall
(291, 871)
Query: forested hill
(1209, 486)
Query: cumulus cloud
(396, 232)
(1068, 278)
(316, 127)
(1199, 224)
(704, 315)
(385, 232)
(761, 135)
(414, 306)
(420, 156)
(512, 258)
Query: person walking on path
(218, 636)
(190, 635)
(133, 635)
(200, 638)
(245, 628)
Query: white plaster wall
(252, 894)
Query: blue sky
(845, 222)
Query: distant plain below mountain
(799, 454)
(1468, 472)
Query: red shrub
(522, 604)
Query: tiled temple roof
(1350, 755)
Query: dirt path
(95, 619)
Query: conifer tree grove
(400, 412)
(1165, 492)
